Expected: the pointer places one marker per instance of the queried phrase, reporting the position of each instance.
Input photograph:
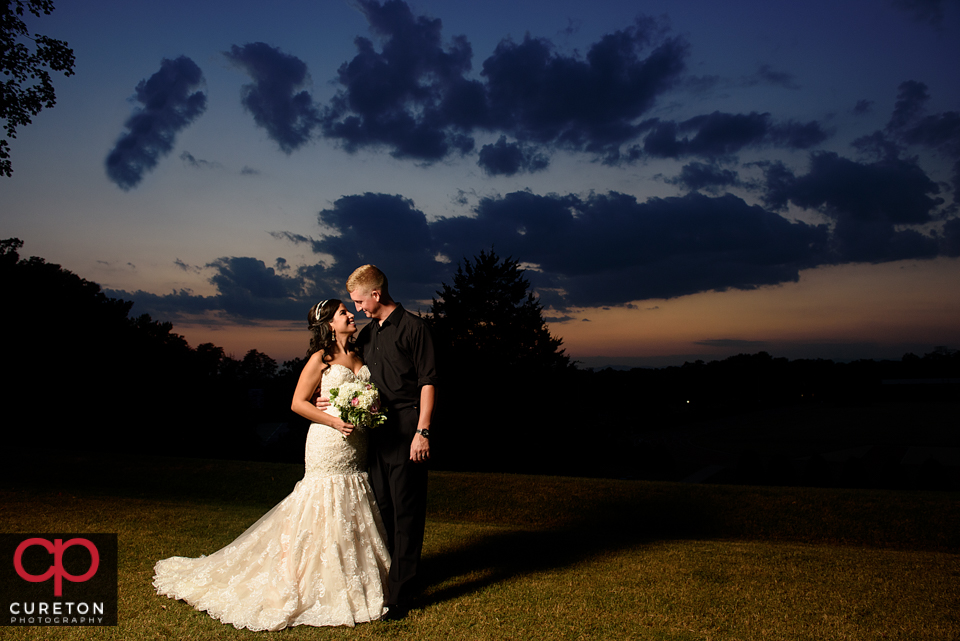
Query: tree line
(88, 375)
(84, 373)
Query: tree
(257, 368)
(489, 315)
(499, 366)
(27, 88)
(81, 373)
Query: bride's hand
(345, 428)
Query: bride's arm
(303, 396)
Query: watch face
(424, 433)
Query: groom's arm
(420, 447)
(425, 364)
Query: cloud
(185, 267)
(869, 202)
(112, 266)
(247, 290)
(384, 229)
(412, 96)
(940, 132)
(894, 192)
(909, 127)
(697, 176)
(277, 98)
(951, 238)
(766, 75)
(626, 250)
(170, 101)
(595, 250)
(911, 99)
(863, 107)
(296, 239)
(415, 98)
(718, 135)
(249, 275)
(169, 307)
(733, 343)
(929, 11)
(506, 159)
(591, 104)
(411, 92)
(197, 163)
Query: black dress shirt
(401, 357)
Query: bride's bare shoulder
(316, 362)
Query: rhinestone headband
(319, 307)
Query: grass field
(524, 557)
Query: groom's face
(366, 302)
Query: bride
(318, 557)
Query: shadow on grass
(564, 522)
(607, 526)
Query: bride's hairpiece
(320, 307)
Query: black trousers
(400, 486)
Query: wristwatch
(424, 433)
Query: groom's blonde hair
(367, 278)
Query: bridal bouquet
(359, 404)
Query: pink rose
(354, 401)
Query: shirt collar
(393, 317)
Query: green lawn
(524, 557)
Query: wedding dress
(317, 558)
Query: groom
(398, 349)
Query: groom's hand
(420, 449)
(322, 403)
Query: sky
(680, 180)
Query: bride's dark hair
(322, 336)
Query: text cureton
(55, 608)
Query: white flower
(358, 403)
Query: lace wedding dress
(317, 558)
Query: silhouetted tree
(82, 374)
(292, 369)
(211, 360)
(27, 88)
(490, 314)
(257, 368)
(499, 366)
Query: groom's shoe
(395, 613)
